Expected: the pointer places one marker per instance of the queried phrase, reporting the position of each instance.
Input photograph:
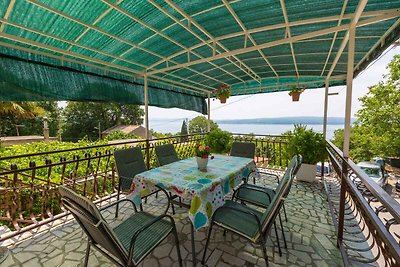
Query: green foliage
(219, 141)
(31, 118)
(81, 119)
(309, 144)
(120, 135)
(376, 132)
(199, 125)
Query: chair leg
(277, 240)
(156, 194)
(180, 202)
(172, 204)
(145, 200)
(117, 207)
(178, 250)
(264, 250)
(87, 254)
(208, 240)
(283, 232)
(284, 211)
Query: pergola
(175, 53)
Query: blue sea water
(174, 126)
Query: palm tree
(23, 110)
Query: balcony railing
(365, 216)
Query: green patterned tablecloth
(206, 190)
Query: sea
(174, 126)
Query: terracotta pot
(202, 163)
(222, 99)
(295, 96)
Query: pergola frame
(165, 71)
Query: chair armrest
(270, 174)
(144, 227)
(255, 188)
(117, 202)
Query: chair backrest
(129, 162)
(282, 191)
(166, 154)
(243, 149)
(91, 221)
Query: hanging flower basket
(222, 93)
(295, 92)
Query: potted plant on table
(295, 92)
(202, 154)
(311, 146)
(222, 93)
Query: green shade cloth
(99, 50)
(23, 81)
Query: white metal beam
(334, 36)
(146, 107)
(325, 108)
(157, 32)
(93, 24)
(7, 14)
(380, 41)
(177, 21)
(274, 43)
(353, 24)
(285, 16)
(239, 21)
(208, 113)
(390, 13)
(246, 68)
(349, 90)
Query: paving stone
(56, 261)
(162, 250)
(24, 256)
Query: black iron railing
(28, 194)
(367, 219)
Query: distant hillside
(286, 120)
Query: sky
(280, 104)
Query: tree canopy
(29, 117)
(82, 119)
(199, 125)
(377, 129)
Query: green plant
(219, 141)
(119, 135)
(295, 89)
(306, 142)
(222, 91)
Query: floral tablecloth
(205, 189)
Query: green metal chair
(243, 149)
(126, 244)
(129, 162)
(262, 196)
(248, 222)
(166, 154)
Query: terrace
(174, 54)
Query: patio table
(205, 190)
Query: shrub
(309, 144)
(219, 141)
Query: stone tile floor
(309, 232)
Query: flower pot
(295, 96)
(222, 99)
(202, 163)
(307, 172)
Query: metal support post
(208, 114)
(146, 121)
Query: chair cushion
(242, 223)
(251, 194)
(147, 239)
